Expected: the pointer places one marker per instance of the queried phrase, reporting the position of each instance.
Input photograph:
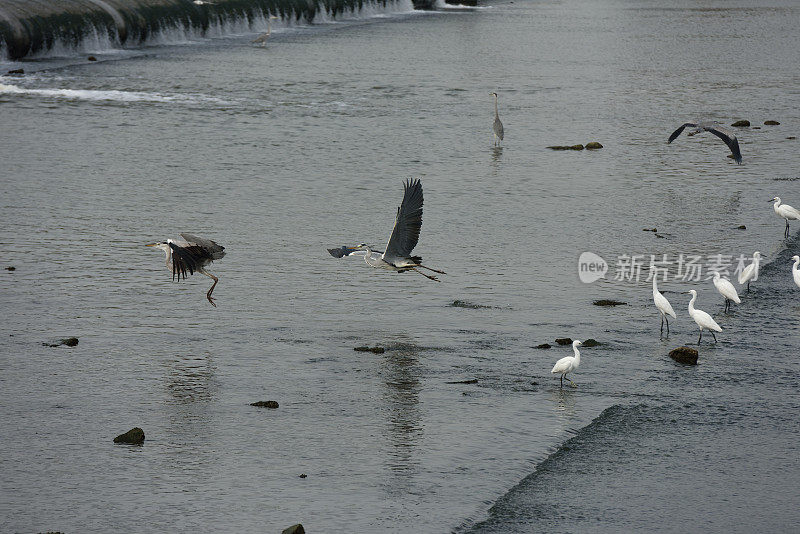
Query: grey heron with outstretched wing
(191, 254)
(404, 238)
(714, 128)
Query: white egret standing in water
(786, 212)
(191, 254)
(727, 290)
(750, 272)
(703, 320)
(663, 306)
(796, 270)
(568, 364)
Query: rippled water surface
(280, 152)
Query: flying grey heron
(404, 237)
(191, 254)
(262, 39)
(716, 129)
(497, 127)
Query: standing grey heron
(497, 126)
(262, 39)
(191, 254)
(714, 128)
(404, 237)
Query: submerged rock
(564, 341)
(68, 341)
(741, 124)
(543, 346)
(134, 436)
(741, 227)
(791, 137)
(265, 404)
(684, 355)
(566, 147)
(470, 381)
(771, 123)
(594, 145)
(303, 475)
(16, 71)
(649, 229)
(591, 342)
(11, 268)
(470, 305)
(606, 302)
(375, 350)
(294, 529)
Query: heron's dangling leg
(434, 270)
(208, 295)
(426, 275)
(715, 337)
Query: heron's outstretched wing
(347, 251)
(677, 132)
(188, 258)
(730, 140)
(408, 223)
(213, 250)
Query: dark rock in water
(303, 475)
(741, 227)
(534, 383)
(470, 381)
(741, 123)
(756, 127)
(606, 302)
(134, 436)
(376, 350)
(771, 123)
(294, 529)
(543, 346)
(649, 229)
(660, 236)
(566, 147)
(564, 341)
(68, 341)
(17, 71)
(91, 58)
(470, 305)
(594, 145)
(11, 268)
(684, 355)
(791, 137)
(265, 404)
(591, 342)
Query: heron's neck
(168, 256)
(655, 286)
(496, 114)
(577, 354)
(796, 264)
(691, 305)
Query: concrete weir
(32, 26)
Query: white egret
(750, 272)
(786, 212)
(703, 320)
(726, 289)
(191, 254)
(796, 270)
(663, 306)
(568, 364)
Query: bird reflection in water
(401, 396)
(564, 401)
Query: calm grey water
(278, 153)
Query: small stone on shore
(265, 404)
(134, 436)
(684, 355)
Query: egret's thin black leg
(662, 323)
(667, 325)
(701, 337)
(715, 337)
(562, 381)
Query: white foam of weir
(105, 95)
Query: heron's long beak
(151, 244)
